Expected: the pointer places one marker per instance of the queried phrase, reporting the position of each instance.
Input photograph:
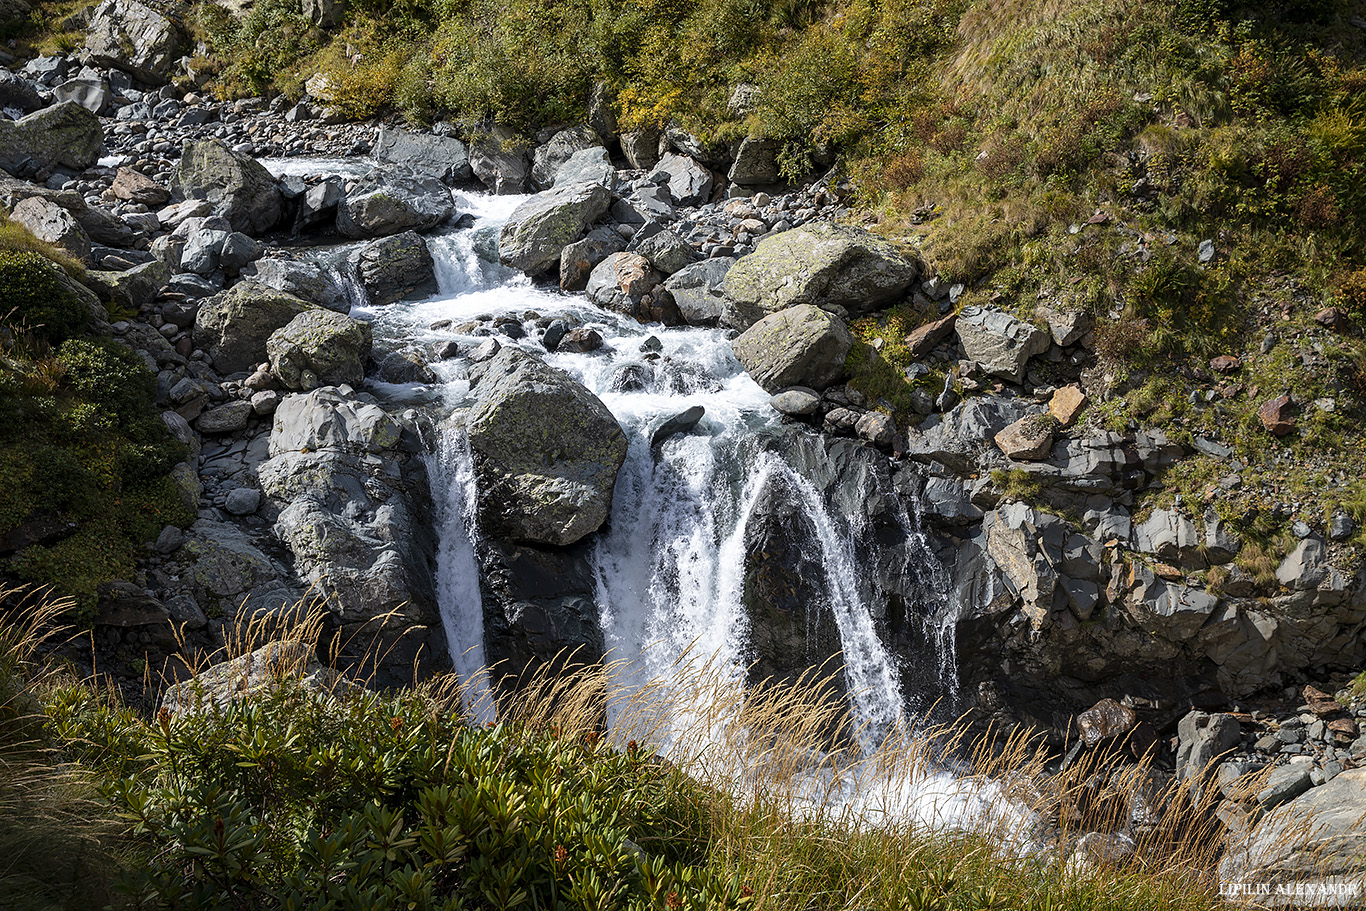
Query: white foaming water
(669, 569)
(450, 469)
(305, 166)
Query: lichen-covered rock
(798, 346)
(835, 267)
(541, 227)
(233, 327)
(547, 451)
(756, 162)
(1001, 344)
(396, 268)
(351, 493)
(65, 135)
(588, 166)
(237, 186)
(136, 39)
(386, 202)
(319, 348)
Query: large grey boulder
(1312, 846)
(301, 278)
(697, 290)
(667, 251)
(50, 222)
(92, 94)
(396, 268)
(541, 227)
(442, 157)
(234, 326)
(319, 348)
(955, 438)
(627, 283)
(588, 166)
(18, 93)
(238, 187)
(547, 160)
(1170, 535)
(547, 451)
(756, 162)
(1203, 738)
(1172, 610)
(836, 267)
(1001, 344)
(135, 38)
(386, 202)
(799, 346)
(689, 183)
(65, 135)
(500, 162)
(349, 485)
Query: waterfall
(669, 571)
(450, 469)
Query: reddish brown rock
(1277, 416)
(926, 338)
(1344, 728)
(1334, 318)
(1029, 438)
(1104, 720)
(1320, 703)
(133, 186)
(1066, 404)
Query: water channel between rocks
(668, 570)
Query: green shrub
(34, 298)
(299, 801)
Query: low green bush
(297, 800)
(34, 300)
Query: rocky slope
(1059, 580)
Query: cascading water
(450, 469)
(670, 567)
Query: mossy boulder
(799, 346)
(843, 269)
(65, 135)
(547, 451)
(237, 186)
(233, 327)
(320, 348)
(540, 228)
